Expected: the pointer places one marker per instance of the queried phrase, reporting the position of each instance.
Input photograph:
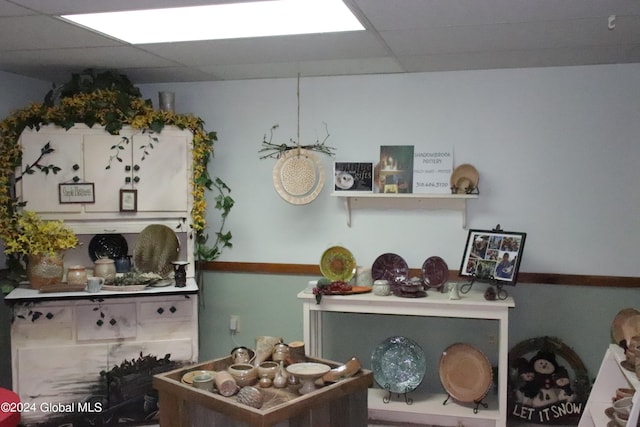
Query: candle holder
(180, 273)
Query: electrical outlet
(234, 324)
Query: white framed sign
(76, 193)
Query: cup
(297, 352)
(94, 284)
(167, 101)
(454, 291)
(622, 407)
(203, 381)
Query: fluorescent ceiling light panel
(223, 21)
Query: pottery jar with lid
(106, 268)
(77, 275)
(381, 287)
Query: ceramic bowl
(269, 369)
(243, 373)
(624, 392)
(342, 372)
(620, 420)
(622, 407)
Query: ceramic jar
(280, 352)
(76, 275)
(105, 268)
(381, 287)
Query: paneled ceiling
(401, 36)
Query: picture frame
(493, 255)
(76, 193)
(353, 176)
(128, 200)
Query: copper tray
(465, 373)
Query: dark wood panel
(523, 278)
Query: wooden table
(342, 404)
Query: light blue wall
(557, 150)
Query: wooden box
(342, 404)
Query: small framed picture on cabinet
(128, 200)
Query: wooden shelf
(454, 202)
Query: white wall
(557, 150)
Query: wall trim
(530, 278)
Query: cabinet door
(153, 164)
(57, 374)
(40, 190)
(163, 176)
(102, 151)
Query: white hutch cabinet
(63, 344)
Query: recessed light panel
(223, 21)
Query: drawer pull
(49, 316)
(99, 322)
(160, 310)
(112, 322)
(173, 309)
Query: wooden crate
(343, 404)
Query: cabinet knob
(112, 322)
(160, 310)
(127, 168)
(173, 309)
(49, 316)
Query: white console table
(425, 407)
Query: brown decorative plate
(354, 290)
(465, 373)
(616, 326)
(464, 179)
(435, 272)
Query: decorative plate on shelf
(338, 263)
(107, 246)
(391, 267)
(465, 373)
(398, 364)
(435, 272)
(464, 179)
(156, 248)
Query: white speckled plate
(298, 176)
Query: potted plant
(43, 243)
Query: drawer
(106, 321)
(39, 315)
(167, 310)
